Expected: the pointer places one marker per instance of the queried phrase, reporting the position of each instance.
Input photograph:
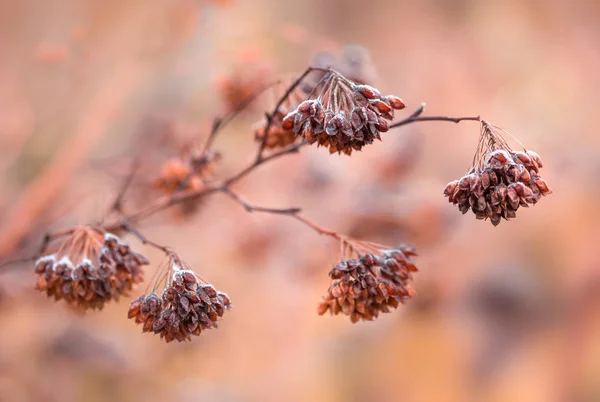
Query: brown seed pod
(500, 181)
(186, 307)
(372, 284)
(350, 115)
(96, 269)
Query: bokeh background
(501, 314)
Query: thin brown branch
(253, 208)
(416, 117)
(125, 221)
(117, 204)
(48, 237)
(270, 116)
(220, 122)
(126, 226)
(291, 212)
(287, 150)
(180, 197)
(162, 204)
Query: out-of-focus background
(509, 313)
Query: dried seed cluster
(185, 308)
(89, 277)
(506, 181)
(186, 173)
(344, 117)
(373, 284)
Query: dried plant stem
(287, 150)
(117, 204)
(284, 97)
(291, 212)
(416, 117)
(220, 122)
(125, 220)
(48, 237)
(253, 208)
(126, 226)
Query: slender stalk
(126, 220)
(269, 116)
(48, 237)
(291, 212)
(126, 226)
(416, 117)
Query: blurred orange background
(501, 314)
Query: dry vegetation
(134, 135)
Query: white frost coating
(47, 258)
(501, 152)
(179, 271)
(109, 236)
(65, 261)
(230, 305)
(86, 261)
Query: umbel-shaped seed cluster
(501, 180)
(185, 308)
(90, 270)
(344, 116)
(372, 284)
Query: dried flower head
(344, 116)
(186, 173)
(89, 269)
(185, 307)
(375, 282)
(500, 180)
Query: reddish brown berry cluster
(345, 116)
(185, 308)
(373, 284)
(88, 271)
(505, 181)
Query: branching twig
(126, 220)
(287, 150)
(416, 117)
(117, 204)
(126, 226)
(269, 116)
(220, 122)
(48, 237)
(253, 208)
(291, 212)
